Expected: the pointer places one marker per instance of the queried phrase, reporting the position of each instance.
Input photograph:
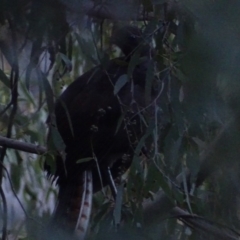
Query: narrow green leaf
(120, 120)
(57, 139)
(134, 61)
(186, 189)
(48, 91)
(149, 82)
(122, 80)
(135, 163)
(118, 205)
(16, 172)
(27, 94)
(68, 116)
(66, 61)
(82, 160)
(4, 79)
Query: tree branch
(155, 211)
(22, 146)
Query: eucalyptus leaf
(118, 205)
(66, 61)
(82, 160)
(48, 91)
(122, 80)
(27, 94)
(4, 79)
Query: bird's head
(130, 39)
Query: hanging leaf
(122, 80)
(82, 160)
(27, 94)
(67, 62)
(4, 79)
(118, 205)
(149, 82)
(134, 61)
(48, 90)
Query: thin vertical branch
(14, 100)
(4, 218)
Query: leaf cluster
(192, 142)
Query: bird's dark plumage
(100, 118)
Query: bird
(100, 117)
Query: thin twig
(6, 108)
(22, 146)
(4, 204)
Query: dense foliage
(187, 185)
